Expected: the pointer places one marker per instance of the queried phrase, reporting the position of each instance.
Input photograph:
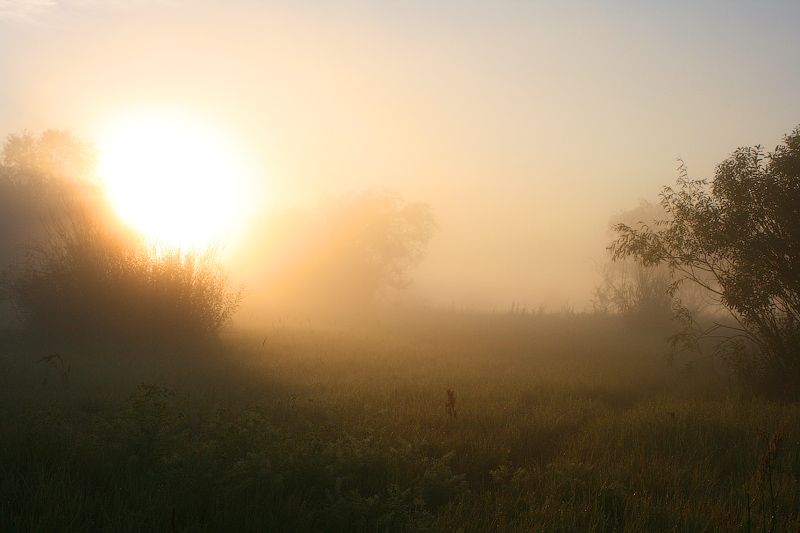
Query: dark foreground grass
(553, 424)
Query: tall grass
(563, 424)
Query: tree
(379, 237)
(54, 155)
(349, 253)
(739, 239)
(36, 173)
(637, 293)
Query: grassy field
(439, 422)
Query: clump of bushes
(85, 275)
(86, 279)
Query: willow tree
(738, 238)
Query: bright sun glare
(174, 177)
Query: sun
(178, 179)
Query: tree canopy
(36, 172)
(738, 238)
(383, 234)
(633, 291)
(54, 155)
(347, 254)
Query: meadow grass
(439, 421)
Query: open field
(556, 423)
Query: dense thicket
(80, 273)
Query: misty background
(525, 127)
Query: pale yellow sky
(525, 125)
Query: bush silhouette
(87, 276)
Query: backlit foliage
(737, 237)
(83, 274)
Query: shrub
(89, 277)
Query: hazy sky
(525, 125)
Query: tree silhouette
(638, 293)
(351, 252)
(378, 237)
(54, 155)
(739, 239)
(36, 173)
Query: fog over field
(524, 126)
(399, 266)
